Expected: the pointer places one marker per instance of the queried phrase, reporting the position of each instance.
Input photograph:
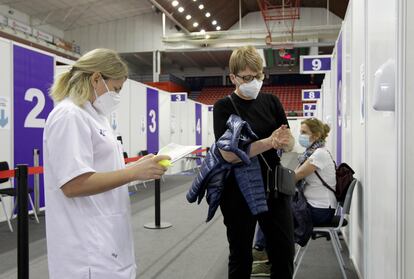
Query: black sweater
(264, 115)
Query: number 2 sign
(32, 77)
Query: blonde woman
(266, 116)
(88, 224)
(317, 161)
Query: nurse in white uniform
(88, 226)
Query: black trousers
(277, 226)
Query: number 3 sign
(152, 121)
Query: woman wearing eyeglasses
(266, 116)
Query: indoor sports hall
(206, 139)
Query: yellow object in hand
(165, 163)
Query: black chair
(12, 193)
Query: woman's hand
(148, 167)
(281, 138)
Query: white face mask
(107, 102)
(251, 89)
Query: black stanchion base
(152, 225)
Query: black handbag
(281, 180)
(302, 218)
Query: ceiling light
(218, 28)
(214, 22)
(181, 9)
(207, 14)
(195, 24)
(201, 6)
(175, 3)
(188, 17)
(194, 0)
(202, 31)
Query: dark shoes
(261, 269)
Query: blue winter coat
(215, 170)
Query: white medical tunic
(87, 237)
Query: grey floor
(189, 249)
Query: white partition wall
(381, 192)
(178, 117)
(190, 132)
(210, 126)
(405, 102)
(294, 125)
(6, 119)
(138, 118)
(120, 119)
(355, 238)
(164, 118)
(204, 126)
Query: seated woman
(317, 160)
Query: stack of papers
(177, 151)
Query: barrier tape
(39, 170)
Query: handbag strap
(238, 113)
(324, 183)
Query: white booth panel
(138, 118)
(190, 127)
(164, 101)
(6, 119)
(59, 69)
(210, 127)
(204, 122)
(294, 125)
(120, 119)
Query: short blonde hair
(244, 57)
(317, 127)
(77, 82)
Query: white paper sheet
(177, 151)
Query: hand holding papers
(176, 151)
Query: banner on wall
(152, 121)
(32, 77)
(339, 101)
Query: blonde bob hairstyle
(77, 83)
(244, 57)
(317, 127)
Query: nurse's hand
(148, 168)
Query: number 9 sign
(314, 64)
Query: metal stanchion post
(157, 224)
(22, 223)
(36, 182)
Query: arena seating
(289, 95)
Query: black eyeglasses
(249, 78)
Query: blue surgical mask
(304, 140)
